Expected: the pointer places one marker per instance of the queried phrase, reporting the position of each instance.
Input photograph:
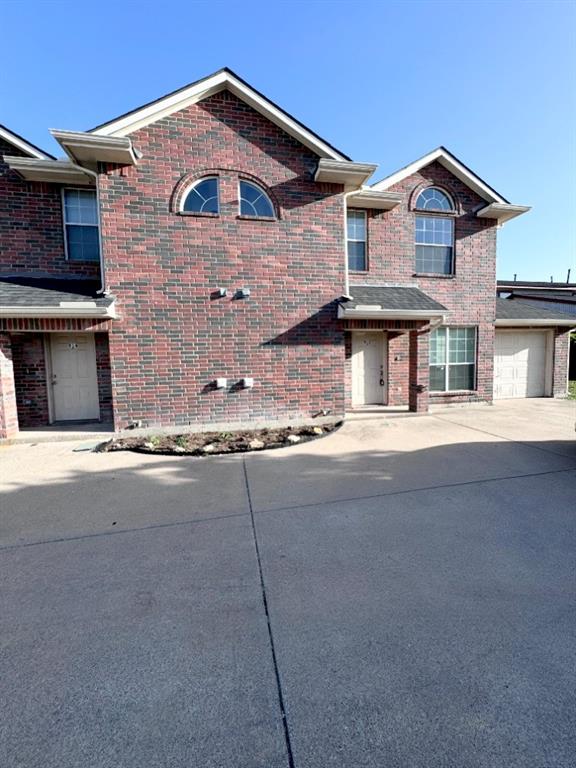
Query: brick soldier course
(164, 334)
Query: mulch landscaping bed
(213, 443)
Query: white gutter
(502, 212)
(510, 322)
(369, 312)
(63, 311)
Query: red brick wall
(68, 324)
(174, 336)
(470, 294)
(8, 411)
(30, 379)
(31, 231)
(561, 353)
(398, 368)
(104, 377)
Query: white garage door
(520, 364)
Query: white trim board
(452, 164)
(66, 309)
(20, 143)
(202, 89)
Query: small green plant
(181, 441)
(155, 440)
(225, 435)
(572, 390)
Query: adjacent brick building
(208, 260)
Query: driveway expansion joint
(285, 727)
(119, 531)
(405, 491)
(500, 437)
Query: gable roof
(452, 164)
(200, 89)
(17, 141)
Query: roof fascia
(502, 212)
(20, 143)
(374, 311)
(51, 171)
(513, 322)
(83, 148)
(452, 164)
(61, 311)
(201, 89)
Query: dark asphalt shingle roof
(402, 298)
(567, 296)
(509, 309)
(24, 291)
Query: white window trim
(356, 211)
(75, 224)
(189, 189)
(448, 365)
(436, 215)
(432, 210)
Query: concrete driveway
(399, 594)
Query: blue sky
(385, 82)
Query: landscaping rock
(214, 443)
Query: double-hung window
(356, 240)
(434, 234)
(452, 359)
(81, 224)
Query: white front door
(520, 364)
(74, 379)
(369, 375)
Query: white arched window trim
(441, 193)
(252, 203)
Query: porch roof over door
(31, 296)
(397, 302)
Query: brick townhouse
(207, 259)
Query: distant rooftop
(519, 310)
(534, 284)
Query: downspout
(345, 197)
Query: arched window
(203, 196)
(254, 201)
(433, 199)
(434, 233)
